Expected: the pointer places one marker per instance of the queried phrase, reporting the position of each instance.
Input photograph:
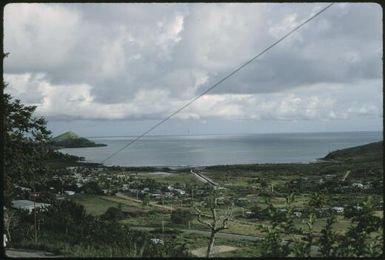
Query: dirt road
(13, 252)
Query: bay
(205, 150)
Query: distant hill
(72, 140)
(368, 152)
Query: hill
(72, 140)
(368, 152)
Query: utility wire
(219, 82)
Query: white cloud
(144, 61)
(309, 103)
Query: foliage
(181, 216)
(66, 229)
(113, 214)
(328, 238)
(92, 187)
(71, 140)
(282, 221)
(26, 145)
(357, 240)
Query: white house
(181, 192)
(29, 205)
(338, 209)
(358, 185)
(69, 192)
(297, 214)
(22, 188)
(157, 241)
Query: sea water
(205, 150)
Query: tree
(113, 214)
(92, 187)
(328, 238)
(181, 216)
(357, 241)
(281, 222)
(26, 144)
(217, 223)
(146, 200)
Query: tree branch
(200, 219)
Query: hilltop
(71, 140)
(367, 152)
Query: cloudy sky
(116, 69)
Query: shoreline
(332, 158)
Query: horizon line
(265, 133)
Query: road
(13, 252)
(154, 204)
(238, 237)
(204, 178)
(207, 233)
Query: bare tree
(217, 222)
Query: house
(157, 241)
(168, 195)
(29, 205)
(22, 188)
(180, 192)
(338, 209)
(330, 176)
(249, 213)
(69, 192)
(358, 185)
(357, 207)
(297, 214)
(60, 197)
(156, 195)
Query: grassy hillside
(72, 140)
(368, 152)
(65, 136)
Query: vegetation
(181, 216)
(217, 223)
(368, 152)
(72, 140)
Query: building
(180, 192)
(358, 185)
(157, 241)
(338, 209)
(29, 205)
(297, 214)
(69, 192)
(22, 188)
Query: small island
(71, 140)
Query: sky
(117, 69)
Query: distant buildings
(29, 205)
(69, 192)
(338, 209)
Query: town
(163, 199)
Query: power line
(219, 82)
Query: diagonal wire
(219, 82)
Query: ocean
(205, 150)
